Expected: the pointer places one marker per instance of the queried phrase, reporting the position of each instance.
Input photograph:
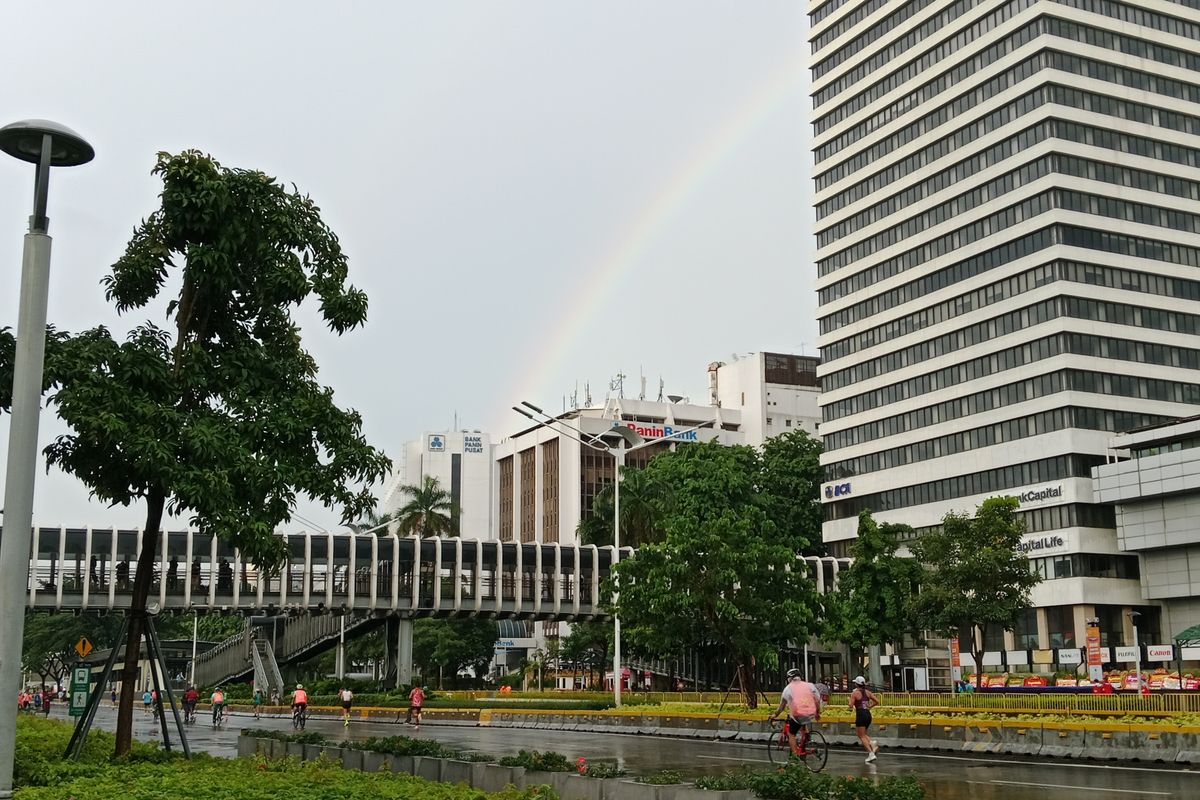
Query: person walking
(862, 700)
(46, 698)
(416, 699)
(258, 702)
(347, 698)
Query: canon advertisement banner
(1160, 652)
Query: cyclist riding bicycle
(803, 702)
(218, 706)
(190, 698)
(299, 700)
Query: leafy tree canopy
(453, 645)
(219, 416)
(790, 485)
(642, 499)
(873, 601)
(48, 646)
(722, 572)
(975, 575)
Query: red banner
(1094, 662)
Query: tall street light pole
(629, 440)
(1137, 648)
(46, 144)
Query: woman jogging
(862, 700)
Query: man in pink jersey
(803, 703)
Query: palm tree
(429, 511)
(641, 500)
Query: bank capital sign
(1040, 494)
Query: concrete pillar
(404, 645)
(874, 668)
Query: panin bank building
(1008, 232)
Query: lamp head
(632, 438)
(23, 140)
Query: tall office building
(1007, 203)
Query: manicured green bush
(545, 762)
(599, 769)
(795, 782)
(664, 777)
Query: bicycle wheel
(296, 719)
(778, 748)
(816, 752)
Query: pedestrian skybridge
(94, 569)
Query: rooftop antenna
(642, 393)
(455, 421)
(587, 393)
(660, 388)
(617, 385)
(575, 396)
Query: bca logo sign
(437, 444)
(837, 490)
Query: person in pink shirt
(803, 703)
(416, 699)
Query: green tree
(587, 646)
(48, 646)
(429, 511)
(873, 601)
(791, 484)
(722, 573)
(976, 577)
(220, 418)
(641, 503)
(449, 646)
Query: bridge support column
(404, 651)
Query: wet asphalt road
(947, 776)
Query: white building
(776, 393)
(462, 463)
(1008, 206)
(546, 480)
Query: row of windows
(947, 113)
(908, 43)
(985, 482)
(1189, 443)
(942, 114)
(1046, 59)
(1051, 518)
(1004, 396)
(950, 209)
(825, 10)
(1094, 419)
(888, 23)
(984, 331)
(879, 63)
(947, 243)
(1076, 166)
(1049, 94)
(1061, 129)
(1011, 322)
(846, 23)
(919, 67)
(1073, 166)
(1069, 235)
(1086, 565)
(1037, 350)
(1070, 31)
(947, 276)
(940, 312)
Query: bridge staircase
(260, 656)
(266, 669)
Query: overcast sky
(533, 194)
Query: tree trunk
(748, 682)
(978, 635)
(137, 618)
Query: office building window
(506, 499)
(550, 491)
(528, 495)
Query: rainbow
(598, 283)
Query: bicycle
(814, 750)
(189, 714)
(299, 717)
(219, 715)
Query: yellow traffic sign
(83, 647)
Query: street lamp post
(46, 144)
(1137, 649)
(629, 441)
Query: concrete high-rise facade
(1008, 232)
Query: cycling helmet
(299, 685)
(793, 673)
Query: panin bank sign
(660, 432)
